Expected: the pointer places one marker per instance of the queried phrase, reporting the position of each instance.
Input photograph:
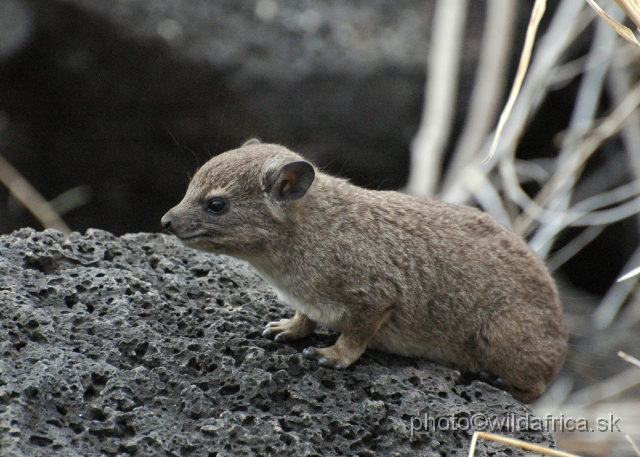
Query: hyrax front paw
(280, 331)
(295, 328)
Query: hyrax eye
(218, 205)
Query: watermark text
(513, 423)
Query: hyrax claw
(295, 328)
(323, 360)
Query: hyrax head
(241, 201)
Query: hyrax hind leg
(295, 328)
(351, 343)
(525, 357)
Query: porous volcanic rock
(139, 346)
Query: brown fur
(402, 274)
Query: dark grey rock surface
(138, 346)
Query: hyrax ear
(250, 142)
(291, 181)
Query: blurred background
(108, 106)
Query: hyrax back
(403, 274)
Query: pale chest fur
(331, 315)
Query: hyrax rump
(402, 274)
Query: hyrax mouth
(186, 238)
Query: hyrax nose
(166, 221)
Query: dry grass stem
(610, 126)
(536, 16)
(582, 118)
(604, 390)
(619, 84)
(567, 23)
(635, 448)
(615, 297)
(487, 196)
(622, 30)
(573, 247)
(516, 443)
(438, 111)
(632, 9)
(26, 194)
(567, 72)
(628, 358)
(71, 199)
(630, 316)
(628, 275)
(488, 86)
